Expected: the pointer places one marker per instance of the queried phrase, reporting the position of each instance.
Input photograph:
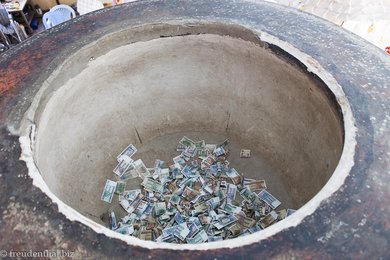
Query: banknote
(130, 173)
(120, 187)
(245, 153)
(146, 235)
(234, 176)
(268, 220)
(122, 167)
(125, 229)
(131, 194)
(200, 207)
(213, 202)
(200, 145)
(204, 219)
(282, 214)
(141, 207)
(210, 147)
(245, 221)
(225, 221)
(179, 160)
(269, 199)
(256, 185)
(160, 208)
(187, 142)
(235, 230)
(189, 194)
(202, 154)
(141, 169)
(126, 154)
(180, 147)
(214, 238)
(152, 185)
(108, 191)
(231, 209)
(125, 205)
(231, 192)
(158, 164)
(254, 229)
(290, 211)
(199, 238)
(181, 231)
(219, 151)
(192, 201)
(193, 229)
(179, 218)
(112, 218)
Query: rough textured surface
(205, 83)
(353, 223)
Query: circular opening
(209, 86)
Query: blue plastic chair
(58, 14)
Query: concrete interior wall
(207, 86)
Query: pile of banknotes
(196, 198)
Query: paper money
(234, 176)
(254, 229)
(231, 209)
(235, 230)
(125, 205)
(181, 231)
(215, 238)
(213, 202)
(126, 154)
(231, 192)
(245, 221)
(141, 169)
(219, 151)
(225, 221)
(152, 185)
(202, 154)
(108, 191)
(269, 199)
(204, 219)
(193, 229)
(269, 219)
(201, 237)
(179, 218)
(200, 145)
(200, 207)
(192, 201)
(120, 187)
(282, 214)
(175, 199)
(180, 147)
(179, 160)
(131, 194)
(290, 211)
(146, 235)
(125, 229)
(160, 208)
(113, 223)
(129, 174)
(187, 142)
(122, 167)
(190, 194)
(245, 153)
(141, 207)
(256, 185)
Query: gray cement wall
(205, 86)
